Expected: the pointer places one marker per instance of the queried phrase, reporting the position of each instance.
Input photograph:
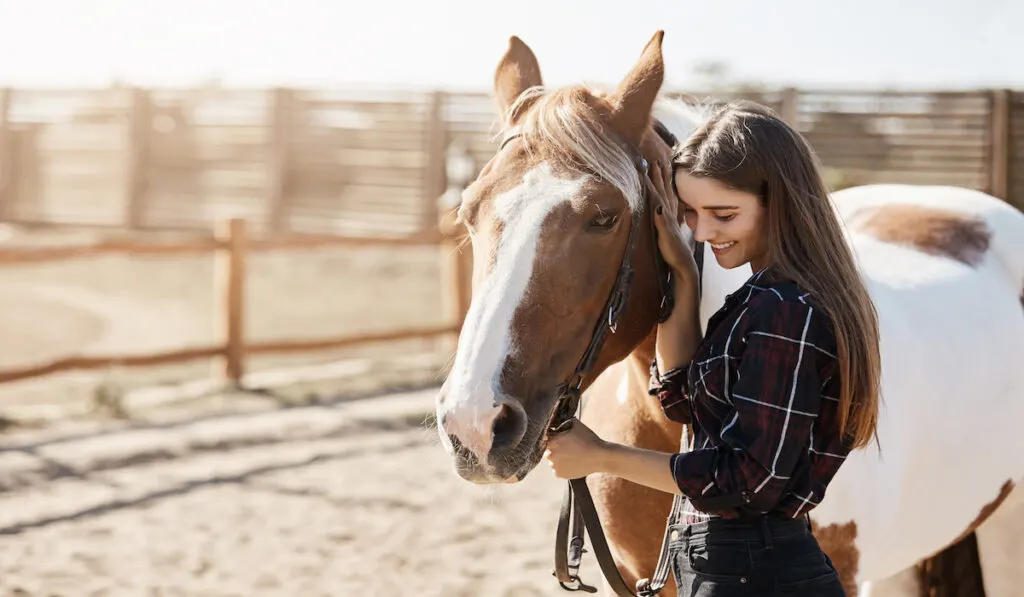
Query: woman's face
(732, 222)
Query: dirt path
(320, 501)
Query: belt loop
(766, 532)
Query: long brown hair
(747, 147)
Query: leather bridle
(577, 503)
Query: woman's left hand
(576, 452)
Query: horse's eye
(604, 222)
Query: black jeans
(760, 557)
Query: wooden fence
(232, 245)
(371, 163)
(292, 169)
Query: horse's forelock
(565, 126)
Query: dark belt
(766, 527)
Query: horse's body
(945, 269)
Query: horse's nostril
(509, 426)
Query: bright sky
(457, 43)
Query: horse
(550, 222)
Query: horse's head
(550, 218)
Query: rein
(577, 502)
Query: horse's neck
(651, 429)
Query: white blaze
(486, 338)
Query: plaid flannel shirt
(762, 396)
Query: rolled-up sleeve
(774, 401)
(670, 390)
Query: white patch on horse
(486, 339)
(622, 391)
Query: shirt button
(743, 579)
(674, 535)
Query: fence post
(458, 169)
(460, 263)
(138, 126)
(229, 272)
(279, 120)
(999, 144)
(790, 108)
(434, 179)
(6, 156)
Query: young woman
(784, 384)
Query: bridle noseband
(569, 554)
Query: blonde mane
(564, 126)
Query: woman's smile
(720, 248)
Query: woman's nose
(703, 230)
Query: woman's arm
(679, 335)
(643, 467)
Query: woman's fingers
(670, 189)
(670, 243)
(665, 194)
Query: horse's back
(952, 342)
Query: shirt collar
(757, 283)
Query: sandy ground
(353, 498)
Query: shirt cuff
(670, 389)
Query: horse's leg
(952, 572)
(1001, 547)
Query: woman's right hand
(671, 243)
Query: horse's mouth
(469, 468)
(542, 440)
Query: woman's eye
(725, 218)
(604, 222)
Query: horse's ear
(517, 71)
(633, 99)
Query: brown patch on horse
(838, 541)
(932, 230)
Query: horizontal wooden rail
(194, 354)
(286, 346)
(102, 362)
(43, 254)
(47, 254)
(315, 241)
